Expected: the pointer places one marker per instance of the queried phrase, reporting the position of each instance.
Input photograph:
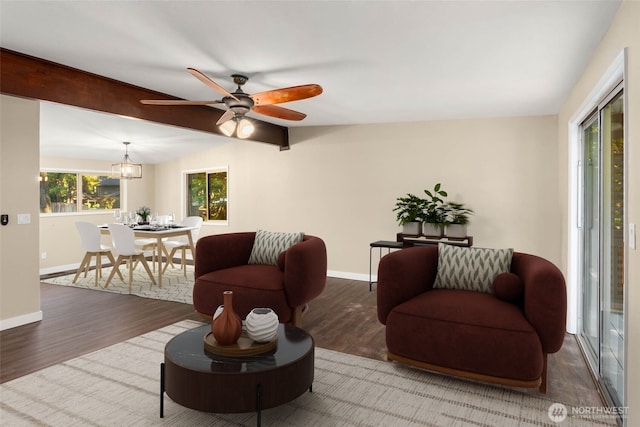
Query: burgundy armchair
(471, 334)
(221, 264)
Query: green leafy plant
(456, 213)
(409, 209)
(433, 206)
(144, 212)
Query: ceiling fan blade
(213, 85)
(228, 115)
(278, 112)
(176, 102)
(294, 93)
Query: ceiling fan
(240, 103)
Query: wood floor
(79, 321)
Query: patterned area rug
(119, 386)
(175, 286)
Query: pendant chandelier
(126, 169)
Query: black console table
(381, 244)
(409, 241)
(406, 241)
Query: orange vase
(227, 327)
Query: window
(69, 192)
(207, 194)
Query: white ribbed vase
(218, 311)
(262, 324)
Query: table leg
(162, 390)
(259, 404)
(193, 248)
(159, 249)
(370, 261)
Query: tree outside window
(59, 192)
(100, 192)
(207, 195)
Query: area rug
(175, 286)
(119, 386)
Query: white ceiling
(71, 132)
(378, 61)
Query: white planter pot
(456, 231)
(412, 228)
(430, 229)
(218, 311)
(262, 324)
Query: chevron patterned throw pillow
(472, 269)
(268, 245)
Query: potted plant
(143, 212)
(456, 219)
(408, 214)
(433, 213)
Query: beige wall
(19, 154)
(624, 33)
(341, 183)
(59, 238)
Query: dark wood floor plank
(344, 318)
(79, 321)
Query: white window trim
(612, 77)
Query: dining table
(159, 233)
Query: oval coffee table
(197, 379)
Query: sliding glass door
(602, 255)
(591, 237)
(612, 345)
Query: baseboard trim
(14, 322)
(351, 276)
(60, 268)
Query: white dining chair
(151, 244)
(182, 243)
(123, 240)
(90, 240)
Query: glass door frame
(593, 355)
(590, 349)
(613, 378)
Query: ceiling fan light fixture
(228, 127)
(240, 103)
(245, 128)
(126, 169)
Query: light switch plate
(632, 236)
(24, 218)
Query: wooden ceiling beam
(30, 77)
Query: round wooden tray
(244, 347)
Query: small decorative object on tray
(262, 325)
(227, 327)
(218, 312)
(261, 334)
